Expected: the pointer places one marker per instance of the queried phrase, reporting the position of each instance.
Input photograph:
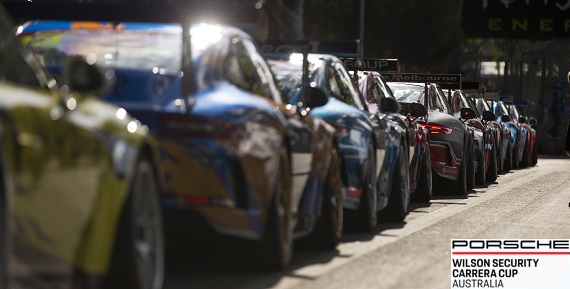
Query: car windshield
(288, 78)
(514, 111)
(465, 102)
(289, 75)
(143, 60)
(155, 48)
(504, 109)
(407, 92)
(136, 46)
(459, 100)
(483, 105)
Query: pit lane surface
(525, 203)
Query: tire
(481, 173)
(424, 189)
(508, 164)
(470, 169)
(534, 156)
(525, 157)
(138, 256)
(399, 199)
(366, 218)
(3, 233)
(459, 187)
(277, 243)
(499, 160)
(493, 166)
(515, 161)
(329, 226)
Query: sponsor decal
(284, 47)
(510, 263)
(379, 64)
(277, 47)
(516, 18)
(422, 77)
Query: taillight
(436, 129)
(354, 193)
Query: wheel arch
(150, 151)
(4, 209)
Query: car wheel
(525, 157)
(399, 200)
(328, 230)
(498, 156)
(493, 166)
(534, 156)
(423, 191)
(481, 173)
(508, 164)
(138, 256)
(366, 216)
(459, 187)
(515, 162)
(470, 183)
(3, 235)
(277, 243)
(500, 162)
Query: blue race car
(374, 149)
(518, 133)
(234, 155)
(78, 181)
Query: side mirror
(418, 109)
(314, 97)
(83, 77)
(505, 118)
(522, 119)
(489, 116)
(389, 105)
(467, 113)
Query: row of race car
(191, 124)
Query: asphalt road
(526, 203)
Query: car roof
(49, 25)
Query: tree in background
(285, 19)
(331, 20)
(425, 35)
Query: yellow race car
(79, 198)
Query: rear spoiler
(283, 48)
(445, 81)
(453, 80)
(507, 99)
(274, 48)
(382, 65)
(372, 64)
(184, 13)
(473, 88)
(492, 95)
